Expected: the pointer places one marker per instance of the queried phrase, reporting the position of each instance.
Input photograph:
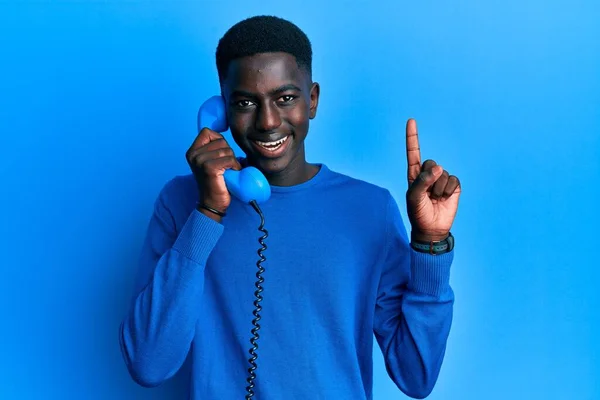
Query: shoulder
(365, 204)
(177, 198)
(360, 189)
(179, 186)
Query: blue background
(97, 107)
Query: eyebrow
(280, 89)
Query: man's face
(270, 100)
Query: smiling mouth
(272, 146)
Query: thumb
(238, 164)
(426, 179)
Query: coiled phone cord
(257, 307)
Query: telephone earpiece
(247, 185)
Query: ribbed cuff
(430, 274)
(198, 237)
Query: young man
(339, 264)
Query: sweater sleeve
(414, 310)
(157, 332)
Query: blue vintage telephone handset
(250, 186)
(249, 183)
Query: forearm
(415, 353)
(159, 328)
(414, 335)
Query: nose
(267, 118)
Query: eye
(243, 103)
(287, 98)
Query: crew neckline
(321, 175)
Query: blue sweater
(338, 272)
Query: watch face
(450, 240)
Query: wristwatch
(435, 248)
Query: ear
(314, 99)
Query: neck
(293, 174)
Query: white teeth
(272, 146)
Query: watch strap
(440, 247)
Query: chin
(270, 166)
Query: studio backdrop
(98, 104)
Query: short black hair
(263, 34)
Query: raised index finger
(413, 152)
